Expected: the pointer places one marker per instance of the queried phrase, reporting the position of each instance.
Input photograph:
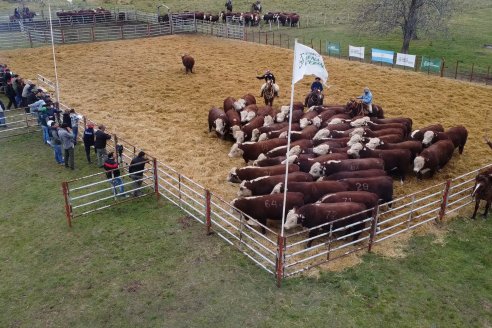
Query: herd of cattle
(84, 15)
(339, 165)
(244, 18)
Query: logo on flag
(405, 60)
(357, 52)
(308, 62)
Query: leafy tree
(424, 16)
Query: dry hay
(138, 88)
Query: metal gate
(183, 23)
(230, 31)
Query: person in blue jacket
(317, 85)
(367, 99)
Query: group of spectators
(60, 131)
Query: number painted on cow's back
(347, 199)
(271, 203)
(354, 167)
(331, 215)
(362, 186)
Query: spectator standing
(66, 117)
(2, 115)
(137, 166)
(18, 86)
(43, 121)
(74, 121)
(10, 93)
(89, 137)
(56, 142)
(66, 138)
(113, 174)
(100, 144)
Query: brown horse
(355, 107)
(483, 191)
(314, 98)
(269, 93)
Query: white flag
(308, 62)
(357, 52)
(405, 60)
(69, 1)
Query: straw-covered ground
(138, 89)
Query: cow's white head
(296, 150)
(354, 139)
(322, 134)
(336, 120)
(250, 115)
(291, 219)
(280, 117)
(418, 164)
(373, 143)
(220, 126)
(285, 109)
(291, 159)
(316, 170)
(244, 116)
(255, 134)
(359, 131)
(278, 188)
(355, 149)
(232, 176)
(268, 120)
(239, 104)
(235, 151)
(303, 122)
(244, 191)
(322, 149)
(239, 136)
(360, 122)
(311, 109)
(428, 136)
(260, 158)
(283, 135)
(317, 121)
(263, 137)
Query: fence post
(320, 46)
(273, 38)
(68, 207)
(93, 34)
(121, 32)
(208, 220)
(280, 260)
(444, 202)
(288, 42)
(442, 66)
(374, 224)
(148, 29)
(266, 38)
(471, 75)
(156, 179)
(280, 42)
(62, 36)
(30, 38)
(488, 76)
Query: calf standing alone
(188, 63)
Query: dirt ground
(139, 90)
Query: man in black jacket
(137, 166)
(100, 145)
(88, 138)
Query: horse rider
(228, 5)
(367, 99)
(268, 76)
(16, 13)
(257, 6)
(317, 85)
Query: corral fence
(281, 256)
(17, 121)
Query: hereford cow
(313, 215)
(414, 146)
(251, 150)
(404, 120)
(188, 63)
(248, 113)
(234, 123)
(229, 103)
(312, 191)
(280, 132)
(262, 160)
(306, 163)
(367, 198)
(265, 207)
(458, 135)
(265, 184)
(307, 119)
(354, 174)
(307, 133)
(433, 158)
(255, 134)
(381, 186)
(483, 191)
(246, 100)
(419, 134)
(282, 150)
(246, 131)
(330, 167)
(377, 127)
(252, 172)
(217, 120)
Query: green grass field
(147, 264)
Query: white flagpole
(288, 143)
(54, 56)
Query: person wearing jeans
(66, 138)
(113, 174)
(100, 144)
(56, 142)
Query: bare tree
(424, 16)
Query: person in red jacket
(113, 174)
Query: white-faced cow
(433, 158)
(252, 172)
(264, 185)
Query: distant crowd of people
(60, 131)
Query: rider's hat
(267, 71)
(366, 89)
(317, 78)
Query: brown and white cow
(312, 191)
(419, 134)
(458, 135)
(251, 150)
(433, 158)
(262, 208)
(248, 113)
(265, 184)
(306, 163)
(414, 146)
(252, 172)
(367, 198)
(217, 120)
(330, 167)
(314, 215)
(246, 131)
(354, 174)
(381, 186)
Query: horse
(356, 107)
(314, 98)
(228, 6)
(269, 93)
(29, 16)
(256, 7)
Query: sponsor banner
(357, 52)
(308, 62)
(405, 60)
(333, 48)
(430, 65)
(384, 56)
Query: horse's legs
(477, 203)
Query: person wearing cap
(113, 174)
(101, 138)
(317, 85)
(367, 99)
(55, 141)
(268, 76)
(66, 138)
(137, 166)
(88, 138)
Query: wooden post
(280, 40)
(456, 70)
(30, 38)
(266, 38)
(208, 220)
(148, 29)
(273, 38)
(471, 75)
(62, 35)
(68, 207)
(320, 46)
(443, 61)
(93, 34)
(121, 32)
(280, 260)
(374, 224)
(288, 42)
(156, 179)
(488, 76)
(444, 202)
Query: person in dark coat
(100, 144)
(10, 93)
(113, 174)
(89, 139)
(137, 166)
